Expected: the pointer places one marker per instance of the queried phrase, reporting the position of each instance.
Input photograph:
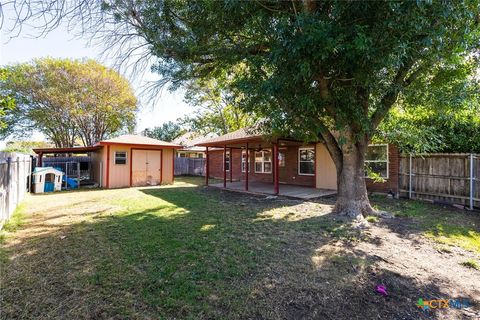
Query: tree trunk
(352, 197)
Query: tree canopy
(219, 110)
(168, 131)
(315, 69)
(68, 100)
(444, 118)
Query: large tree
(168, 131)
(68, 100)
(218, 106)
(326, 69)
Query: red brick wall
(288, 174)
(393, 168)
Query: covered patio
(286, 190)
(247, 161)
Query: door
(146, 167)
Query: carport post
(206, 166)
(225, 166)
(247, 162)
(275, 169)
(230, 166)
(40, 156)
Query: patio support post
(246, 168)
(224, 166)
(206, 166)
(230, 166)
(276, 188)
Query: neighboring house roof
(239, 135)
(189, 140)
(138, 140)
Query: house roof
(189, 139)
(132, 139)
(240, 135)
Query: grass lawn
(190, 252)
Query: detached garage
(125, 161)
(131, 160)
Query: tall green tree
(168, 131)
(316, 69)
(7, 105)
(219, 110)
(68, 100)
(445, 118)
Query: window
(120, 157)
(263, 161)
(376, 160)
(306, 161)
(182, 154)
(244, 161)
(200, 155)
(227, 161)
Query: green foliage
(316, 66)
(23, 146)
(68, 99)
(168, 131)
(446, 118)
(7, 105)
(218, 105)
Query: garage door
(146, 167)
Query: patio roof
(236, 137)
(66, 150)
(137, 140)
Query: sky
(61, 44)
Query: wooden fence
(15, 170)
(189, 166)
(446, 178)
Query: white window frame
(245, 159)
(263, 161)
(388, 160)
(298, 162)
(227, 160)
(115, 158)
(182, 155)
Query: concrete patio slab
(286, 190)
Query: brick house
(283, 161)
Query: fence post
(410, 177)
(471, 181)
(18, 181)
(7, 195)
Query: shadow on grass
(444, 224)
(198, 253)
